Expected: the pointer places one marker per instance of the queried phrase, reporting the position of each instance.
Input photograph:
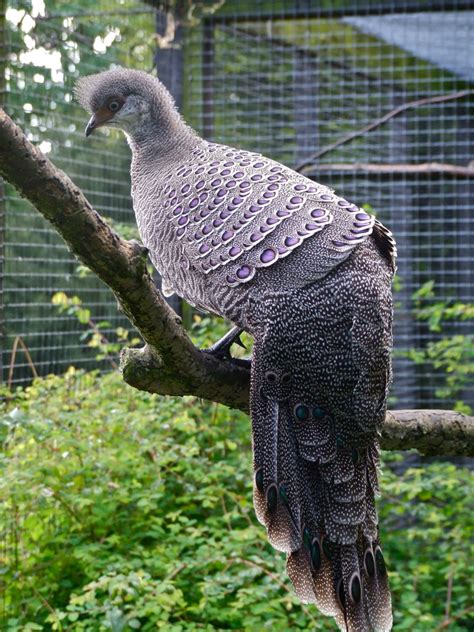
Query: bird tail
(315, 478)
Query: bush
(122, 510)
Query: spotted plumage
(308, 274)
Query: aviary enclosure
(373, 99)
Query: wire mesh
(292, 79)
(45, 46)
(288, 79)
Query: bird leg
(221, 348)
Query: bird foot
(221, 349)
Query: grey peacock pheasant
(308, 275)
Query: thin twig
(425, 167)
(447, 622)
(274, 579)
(48, 606)
(175, 572)
(380, 121)
(449, 594)
(225, 513)
(16, 343)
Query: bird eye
(114, 106)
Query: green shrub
(123, 510)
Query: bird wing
(239, 211)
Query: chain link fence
(371, 98)
(46, 46)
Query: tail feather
(315, 484)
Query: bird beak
(101, 117)
(91, 125)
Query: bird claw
(221, 349)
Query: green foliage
(453, 355)
(106, 349)
(123, 510)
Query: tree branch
(169, 363)
(302, 167)
(402, 168)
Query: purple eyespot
(291, 207)
(228, 164)
(362, 216)
(225, 214)
(245, 162)
(259, 164)
(200, 184)
(338, 243)
(239, 174)
(237, 200)
(231, 184)
(225, 172)
(244, 272)
(217, 222)
(273, 187)
(216, 182)
(300, 187)
(273, 178)
(230, 279)
(318, 212)
(177, 210)
(312, 189)
(291, 241)
(254, 209)
(311, 226)
(227, 234)
(282, 213)
(351, 237)
(268, 256)
(203, 196)
(199, 170)
(256, 177)
(326, 197)
(269, 195)
(361, 231)
(214, 163)
(234, 251)
(221, 193)
(244, 185)
(212, 171)
(183, 220)
(206, 229)
(296, 200)
(343, 203)
(180, 231)
(275, 169)
(272, 220)
(194, 202)
(255, 237)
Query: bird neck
(161, 139)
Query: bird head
(127, 99)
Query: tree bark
(169, 363)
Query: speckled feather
(308, 274)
